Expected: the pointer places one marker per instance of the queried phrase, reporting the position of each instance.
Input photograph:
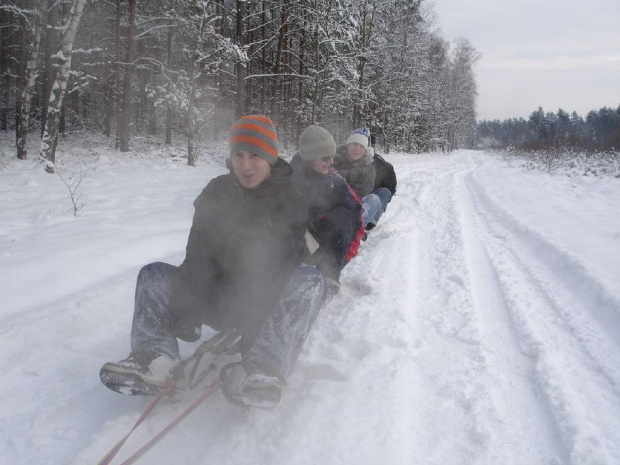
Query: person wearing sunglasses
(334, 211)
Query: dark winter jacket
(385, 177)
(242, 248)
(360, 174)
(335, 211)
(322, 192)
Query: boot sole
(128, 383)
(262, 395)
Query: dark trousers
(334, 234)
(279, 341)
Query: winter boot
(246, 386)
(141, 374)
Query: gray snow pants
(279, 342)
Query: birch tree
(50, 135)
(51, 47)
(31, 75)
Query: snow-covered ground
(480, 323)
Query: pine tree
(50, 136)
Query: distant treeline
(598, 132)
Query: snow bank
(479, 323)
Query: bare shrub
(73, 183)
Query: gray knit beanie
(316, 142)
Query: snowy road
(480, 324)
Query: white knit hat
(361, 136)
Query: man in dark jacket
(335, 212)
(385, 180)
(385, 174)
(242, 269)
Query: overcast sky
(550, 53)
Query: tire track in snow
(522, 417)
(575, 362)
(486, 385)
(451, 361)
(571, 288)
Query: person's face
(250, 169)
(322, 165)
(355, 151)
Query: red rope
(140, 452)
(107, 458)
